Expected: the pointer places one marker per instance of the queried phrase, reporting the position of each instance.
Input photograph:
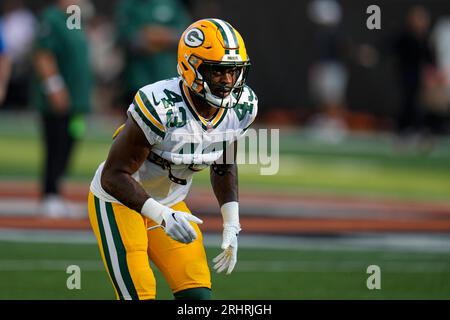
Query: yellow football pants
(126, 247)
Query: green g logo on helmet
(194, 38)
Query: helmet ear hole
(202, 70)
(194, 61)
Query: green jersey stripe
(148, 122)
(149, 106)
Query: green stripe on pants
(105, 247)
(121, 253)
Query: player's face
(221, 79)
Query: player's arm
(224, 177)
(128, 152)
(52, 82)
(224, 181)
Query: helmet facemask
(221, 95)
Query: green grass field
(38, 271)
(360, 166)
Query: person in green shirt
(148, 31)
(61, 92)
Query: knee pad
(193, 294)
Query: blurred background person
(328, 74)
(107, 64)
(414, 54)
(149, 30)
(5, 67)
(62, 95)
(435, 95)
(434, 100)
(19, 25)
(441, 41)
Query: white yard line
(275, 266)
(24, 207)
(372, 242)
(47, 236)
(48, 265)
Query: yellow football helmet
(208, 44)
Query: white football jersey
(165, 113)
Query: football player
(175, 127)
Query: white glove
(228, 258)
(175, 223)
(231, 227)
(177, 226)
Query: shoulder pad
(151, 115)
(151, 105)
